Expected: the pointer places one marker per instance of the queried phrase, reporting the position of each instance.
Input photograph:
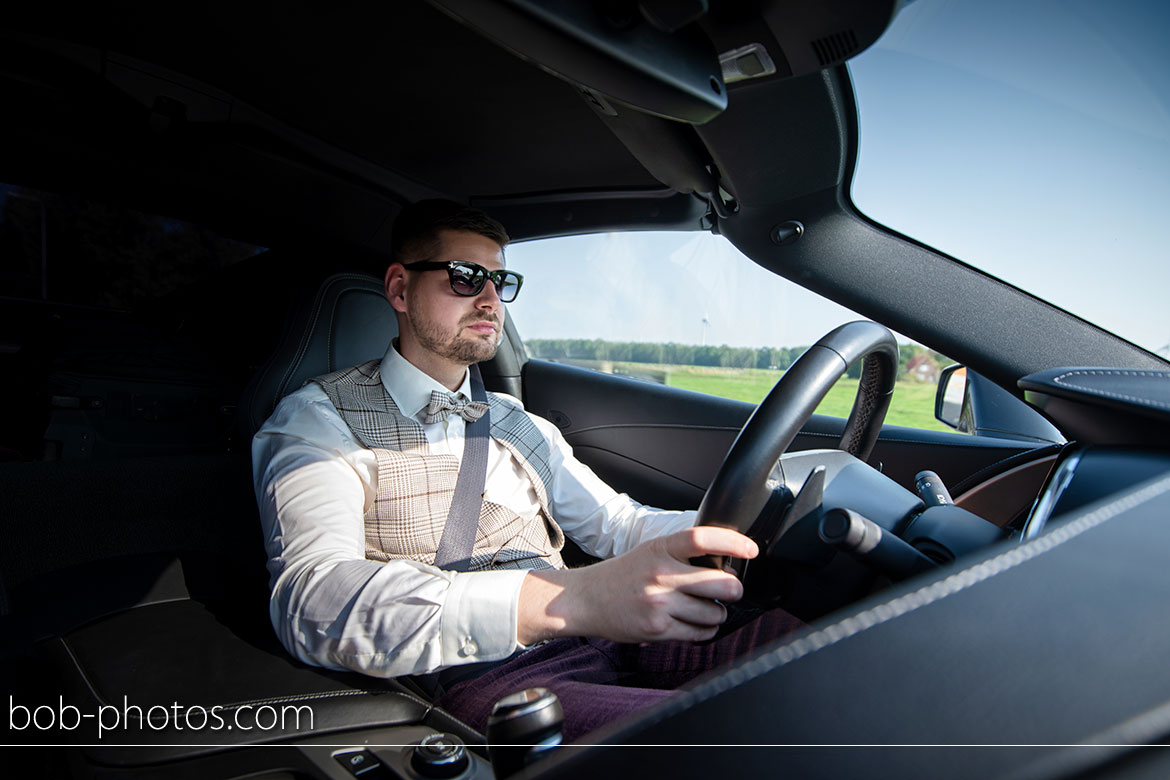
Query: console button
(364, 764)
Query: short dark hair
(415, 235)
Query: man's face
(440, 324)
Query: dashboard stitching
(433, 709)
(319, 696)
(992, 466)
(925, 596)
(1026, 457)
(891, 439)
(1122, 396)
(679, 426)
(682, 426)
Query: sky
(1030, 139)
(696, 288)
(1034, 145)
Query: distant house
(922, 368)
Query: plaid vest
(415, 487)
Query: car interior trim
(197, 207)
(1001, 498)
(1046, 502)
(948, 582)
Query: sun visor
(674, 59)
(655, 59)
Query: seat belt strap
(458, 539)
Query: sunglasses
(468, 278)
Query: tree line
(723, 356)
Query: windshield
(1032, 141)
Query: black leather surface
(347, 322)
(205, 658)
(63, 601)
(1144, 392)
(1104, 405)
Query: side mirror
(972, 403)
(950, 397)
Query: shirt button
(469, 647)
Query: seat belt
(458, 539)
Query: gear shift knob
(440, 756)
(522, 727)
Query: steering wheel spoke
(741, 489)
(808, 500)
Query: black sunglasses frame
(479, 276)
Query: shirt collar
(409, 387)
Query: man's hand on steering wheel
(650, 594)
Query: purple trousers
(598, 681)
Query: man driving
(360, 474)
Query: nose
(489, 297)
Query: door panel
(663, 445)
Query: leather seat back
(348, 321)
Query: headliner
(399, 85)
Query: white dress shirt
(331, 607)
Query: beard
(453, 346)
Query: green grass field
(913, 404)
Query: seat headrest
(348, 321)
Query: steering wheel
(740, 489)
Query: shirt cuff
(480, 616)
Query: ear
(395, 283)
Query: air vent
(835, 48)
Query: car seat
(348, 321)
(195, 638)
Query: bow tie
(443, 405)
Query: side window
(689, 310)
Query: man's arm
(330, 606)
(649, 594)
